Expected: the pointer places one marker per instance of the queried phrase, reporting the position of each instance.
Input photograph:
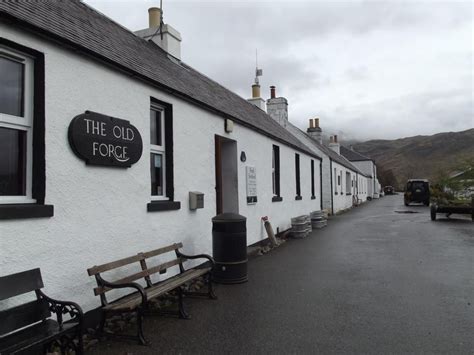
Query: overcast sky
(368, 69)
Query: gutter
(321, 184)
(332, 193)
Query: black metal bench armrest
(60, 308)
(198, 256)
(115, 285)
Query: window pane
(156, 174)
(12, 162)
(11, 87)
(155, 127)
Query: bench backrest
(25, 314)
(145, 273)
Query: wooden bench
(138, 300)
(28, 326)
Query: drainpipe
(332, 193)
(321, 184)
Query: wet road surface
(374, 281)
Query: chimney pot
(154, 17)
(255, 91)
(272, 92)
(316, 122)
(311, 123)
(335, 138)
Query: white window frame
(24, 123)
(160, 149)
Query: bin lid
(228, 217)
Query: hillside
(419, 157)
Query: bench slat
(163, 250)
(132, 301)
(114, 264)
(141, 274)
(26, 314)
(20, 283)
(31, 337)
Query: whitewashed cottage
(103, 135)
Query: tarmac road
(374, 281)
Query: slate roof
(353, 155)
(78, 26)
(312, 144)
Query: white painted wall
(100, 213)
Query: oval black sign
(103, 140)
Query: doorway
(227, 189)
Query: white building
(367, 166)
(79, 189)
(342, 184)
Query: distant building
(367, 166)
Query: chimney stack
(334, 144)
(169, 40)
(314, 131)
(277, 107)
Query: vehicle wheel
(406, 203)
(426, 203)
(433, 212)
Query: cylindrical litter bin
(229, 248)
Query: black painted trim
(298, 198)
(21, 211)
(313, 197)
(251, 199)
(297, 174)
(276, 152)
(348, 193)
(39, 162)
(168, 146)
(277, 199)
(336, 193)
(157, 206)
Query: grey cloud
(220, 38)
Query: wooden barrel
(300, 226)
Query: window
(16, 127)
(313, 195)
(297, 175)
(276, 173)
(157, 153)
(340, 182)
(22, 146)
(161, 158)
(348, 183)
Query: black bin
(229, 248)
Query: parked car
(388, 190)
(417, 190)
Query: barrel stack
(318, 219)
(300, 226)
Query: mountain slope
(420, 156)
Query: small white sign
(251, 174)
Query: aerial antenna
(161, 19)
(258, 72)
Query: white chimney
(334, 144)
(277, 107)
(314, 131)
(167, 37)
